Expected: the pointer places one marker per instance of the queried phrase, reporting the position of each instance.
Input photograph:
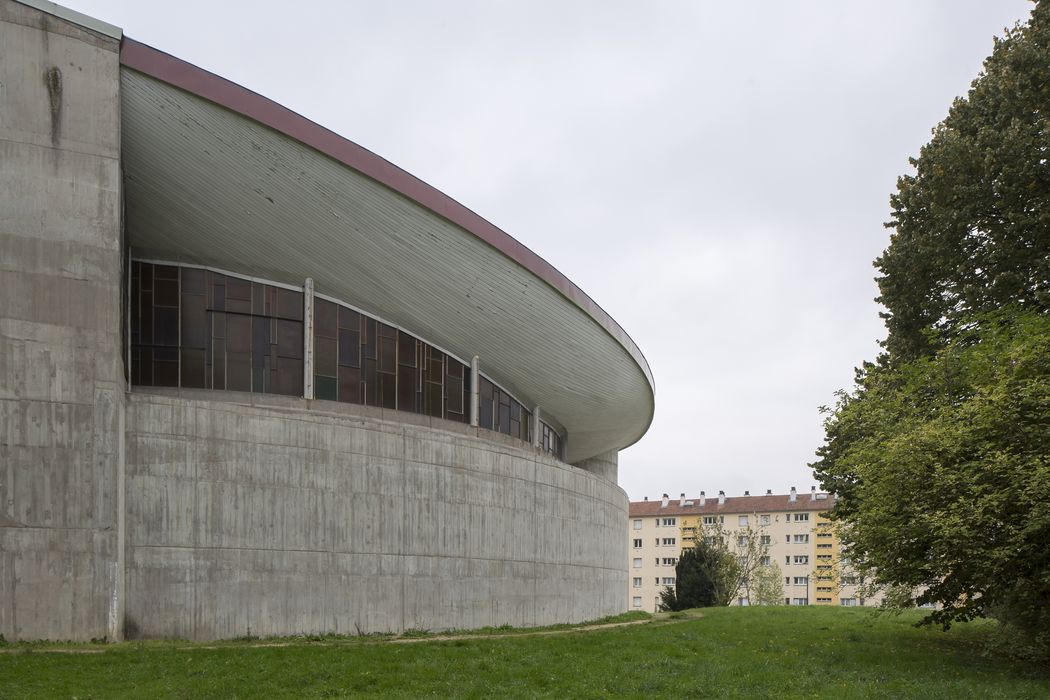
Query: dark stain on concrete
(53, 81)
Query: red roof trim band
(236, 98)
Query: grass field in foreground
(725, 653)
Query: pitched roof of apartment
(734, 504)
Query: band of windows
(197, 328)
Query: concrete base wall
(252, 514)
(61, 376)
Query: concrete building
(254, 379)
(793, 529)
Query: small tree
(705, 576)
(750, 547)
(766, 585)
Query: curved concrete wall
(257, 514)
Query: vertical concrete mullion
(308, 338)
(475, 393)
(536, 426)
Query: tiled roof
(733, 504)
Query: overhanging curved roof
(218, 175)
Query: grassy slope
(729, 652)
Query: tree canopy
(706, 575)
(940, 454)
(972, 224)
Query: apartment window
(763, 520)
(848, 602)
(801, 580)
(824, 600)
(741, 540)
(638, 544)
(800, 601)
(669, 561)
(657, 541)
(636, 601)
(636, 582)
(765, 539)
(787, 580)
(637, 562)
(742, 602)
(712, 519)
(801, 539)
(801, 517)
(764, 561)
(801, 558)
(742, 521)
(656, 581)
(637, 524)
(668, 580)
(823, 589)
(787, 559)
(849, 580)
(823, 557)
(824, 545)
(787, 538)
(668, 522)
(823, 534)
(669, 542)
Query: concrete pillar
(536, 430)
(475, 390)
(604, 465)
(308, 338)
(62, 382)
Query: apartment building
(793, 530)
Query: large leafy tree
(972, 224)
(940, 455)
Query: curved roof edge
(252, 105)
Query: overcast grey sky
(714, 174)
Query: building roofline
(238, 99)
(85, 21)
(733, 505)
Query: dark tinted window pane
(455, 368)
(350, 384)
(194, 327)
(258, 298)
(349, 347)
(433, 400)
(455, 394)
(238, 333)
(485, 414)
(146, 272)
(290, 339)
(348, 318)
(192, 281)
(371, 379)
(191, 370)
(165, 367)
(325, 315)
(260, 344)
(388, 390)
(166, 293)
(289, 376)
(218, 295)
(325, 356)
(387, 354)
(146, 316)
(406, 388)
(406, 349)
(165, 326)
(165, 272)
(504, 419)
(370, 339)
(289, 304)
(146, 365)
(238, 371)
(238, 295)
(325, 387)
(218, 367)
(486, 389)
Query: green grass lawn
(725, 653)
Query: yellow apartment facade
(793, 531)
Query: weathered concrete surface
(62, 382)
(257, 514)
(605, 465)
